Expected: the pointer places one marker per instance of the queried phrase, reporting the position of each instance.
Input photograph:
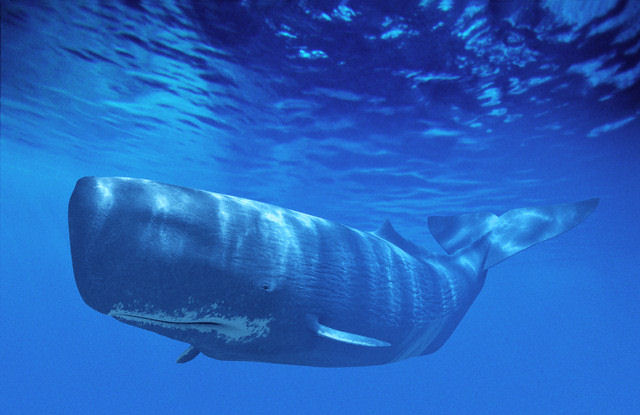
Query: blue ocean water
(354, 111)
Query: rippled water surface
(356, 111)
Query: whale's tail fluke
(489, 239)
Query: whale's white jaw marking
(230, 329)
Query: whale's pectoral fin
(188, 355)
(344, 336)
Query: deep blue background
(353, 111)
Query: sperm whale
(237, 279)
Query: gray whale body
(238, 279)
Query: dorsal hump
(388, 233)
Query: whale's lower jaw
(204, 326)
(230, 329)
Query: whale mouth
(204, 325)
(235, 328)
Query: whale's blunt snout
(133, 242)
(86, 206)
(83, 210)
(102, 217)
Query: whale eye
(267, 285)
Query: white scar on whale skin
(232, 329)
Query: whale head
(172, 260)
